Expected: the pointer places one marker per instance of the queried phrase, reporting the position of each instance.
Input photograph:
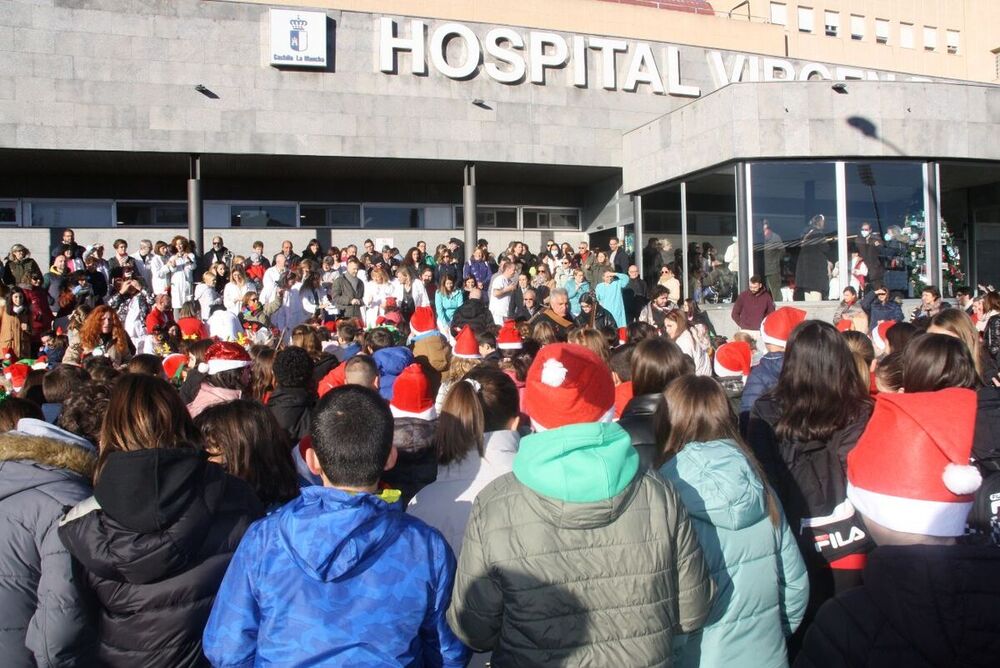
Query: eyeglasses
(881, 294)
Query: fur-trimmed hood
(30, 461)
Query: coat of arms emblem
(298, 38)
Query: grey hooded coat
(44, 619)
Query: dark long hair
(655, 363)
(252, 446)
(145, 412)
(933, 362)
(699, 412)
(819, 389)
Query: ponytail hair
(485, 400)
(460, 424)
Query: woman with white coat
(179, 269)
(410, 291)
(476, 440)
(377, 290)
(676, 326)
(232, 294)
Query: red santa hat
(733, 359)
(331, 326)
(622, 336)
(466, 345)
(910, 470)
(17, 375)
(568, 384)
(390, 318)
(880, 335)
(422, 321)
(224, 356)
(778, 326)
(411, 395)
(42, 362)
(845, 325)
(173, 364)
(509, 338)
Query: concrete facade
(808, 119)
(119, 75)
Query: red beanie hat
(422, 321)
(509, 338)
(223, 356)
(173, 364)
(778, 326)
(568, 384)
(880, 335)
(733, 359)
(466, 345)
(17, 374)
(411, 395)
(910, 470)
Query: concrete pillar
(932, 199)
(194, 202)
(744, 228)
(470, 220)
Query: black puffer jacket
(156, 539)
(920, 606)
(639, 420)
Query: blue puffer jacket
(334, 578)
(390, 363)
(762, 379)
(763, 587)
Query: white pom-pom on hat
(961, 480)
(553, 373)
(203, 367)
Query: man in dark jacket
(348, 291)
(472, 312)
(816, 255)
(635, 294)
(753, 305)
(577, 489)
(871, 251)
(617, 256)
(557, 314)
(217, 252)
(340, 575)
(925, 601)
(293, 397)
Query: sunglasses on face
(881, 294)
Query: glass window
(394, 217)
(930, 38)
(906, 35)
(857, 27)
(831, 21)
(8, 213)
(71, 214)
(885, 225)
(152, 214)
(970, 225)
(779, 13)
(805, 19)
(249, 215)
(330, 215)
(661, 229)
(492, 218)
(882, 31)
(794, 207)
(953, 39)
(713, 266)
(551, 219)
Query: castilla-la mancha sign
(513, 57)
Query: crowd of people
(364, 457)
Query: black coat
(472, 312)
(920, 606)
(602, 319)
(810, 479)
(639, 420)
(292, 408)
(155, 540)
